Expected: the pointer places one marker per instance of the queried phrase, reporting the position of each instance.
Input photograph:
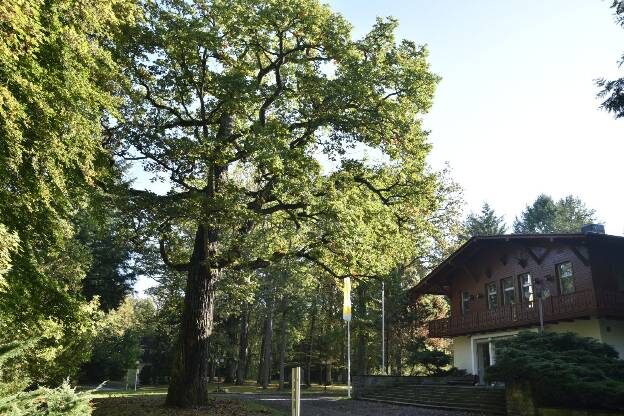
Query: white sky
(516, 112)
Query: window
(492, 295)
(526, 287)
(465, 303)
(566, 278)
(509, 291)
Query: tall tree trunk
(231, 327)
(189, 378)
(243, 346)
(362, 357)
(261, 355)
(282, 356)
(265, 373)
(308, 379)
(398, 360)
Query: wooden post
(296, 391)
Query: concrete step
(464, 403)
(444, 406)
(475, 399)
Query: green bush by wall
(563, 369)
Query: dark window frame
(487, 296)
(464, 303)
(503, 291)
(560, 281)
(521, 287)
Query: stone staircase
(482, 400)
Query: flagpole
(383, 328)
(348, 359)
(346, 315)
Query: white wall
(581, 327)
(608, 331)
(613, 334)
(461, 353)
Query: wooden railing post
(296, 391)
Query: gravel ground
(326, 405)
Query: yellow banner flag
(346, 307)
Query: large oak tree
(232, 104)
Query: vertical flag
(346, 307)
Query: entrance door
(483, 360)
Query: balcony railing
(574, 305)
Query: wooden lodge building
(495, 285)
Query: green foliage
(60, 401)
(566, 215)
(485, 223)
(118, 344)
(8, 245)
(613, 90)
(564, 369)
(103, 230)
(435, 362)
(58, 80)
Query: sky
(516, 112)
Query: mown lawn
(150, 402)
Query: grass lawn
(148, 401)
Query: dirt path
(331, 405)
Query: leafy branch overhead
(232, 102)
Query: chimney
(593, 228)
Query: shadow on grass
(153, 405)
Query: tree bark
(398, 360)
(362, 359)
(231, 327)
(308, 379)
(243, 348)
(189, 378)
(282, 356)
(265, 373)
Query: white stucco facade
(468, 351)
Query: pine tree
(566, 215)
(485, 223)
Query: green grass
(249, 387)
(148, 401)
(151, 403)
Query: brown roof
(436, 282)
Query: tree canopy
(612, 91)
(58, 79)
(484, 223)
(231, 104)
(545, 215)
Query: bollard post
(296, 391)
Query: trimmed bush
(61, 401)
(564, 370)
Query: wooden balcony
(581, 304)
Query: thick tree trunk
(282, 356)
(328, 374)
(362, 357)
(308, 379)
(398, 362)
(261, 355)
(230, 365)
(265, 373)
(189, 378)
(243, 348)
